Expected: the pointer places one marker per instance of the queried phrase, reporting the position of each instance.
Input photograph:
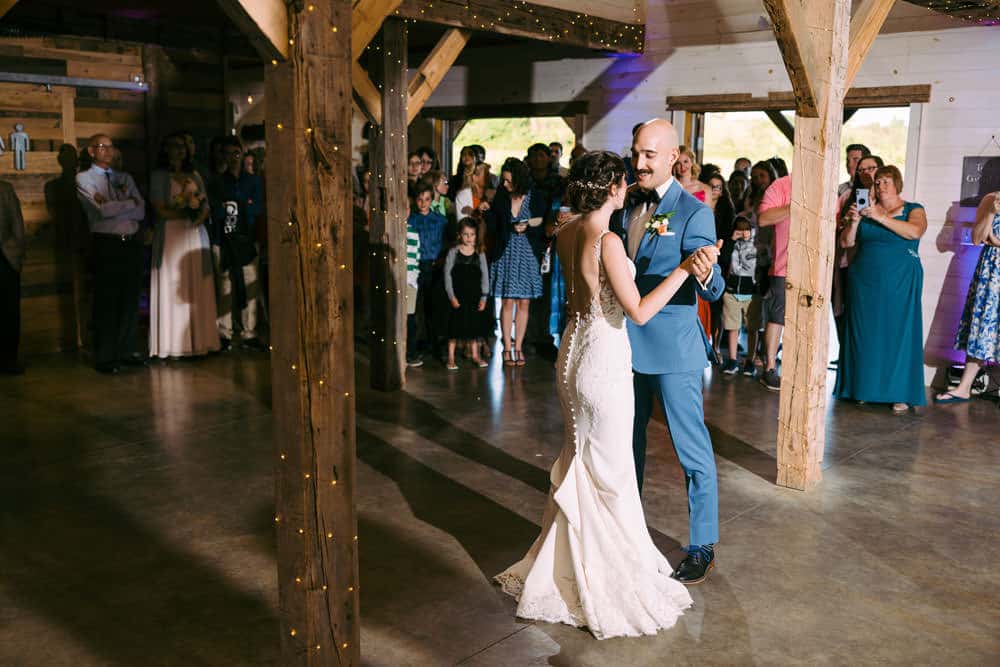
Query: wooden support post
(821, 30)
(865, 26)
(432, 70)
(388, 219)
(312, 360)
(366, 19)
(782, 123)
(263, 22)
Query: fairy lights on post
(312, 363)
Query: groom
(671, 351)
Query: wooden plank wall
(192, 85)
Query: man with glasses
(236, 201)
(114, 209)
(854, 154)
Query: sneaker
(414, 362)
(732, 367)
(748, 368)
(771, 380)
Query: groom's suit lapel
(647, 246)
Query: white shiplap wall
(964, 112)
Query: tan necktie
(637, 227)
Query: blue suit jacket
(673, 340)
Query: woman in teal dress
(881, 356)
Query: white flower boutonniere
(659, 224)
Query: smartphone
(861, 198)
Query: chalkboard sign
(973, 168)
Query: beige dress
(182, 308)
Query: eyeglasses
(100, 146)
(868, 170)
(426, 161)
(717, 186)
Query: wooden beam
(433, 70)
(528, 110)
(521, 19)
(388, 218)
(784, 125)
(865, 26)
(816, 171)
(368, 97)
(6, 6)
(849, 114)
(263, 22)
(312, 360)
(856, 98)
(366, 19)
(791, 30)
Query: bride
(594, 564)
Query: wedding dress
(594, 564)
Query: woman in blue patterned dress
(979, 332)
(514, 221)
(881, 354)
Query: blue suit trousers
(681, 398)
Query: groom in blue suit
(671, 351)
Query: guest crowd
(479, 261)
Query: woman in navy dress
(979, 331)
(514, 221)
(881, 355)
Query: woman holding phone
(515, 222)
(881, 352)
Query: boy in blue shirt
(430, 226)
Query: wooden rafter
(792, 34)
(367, 96)
(784, 125)
(865, 26)
(523, 19)
(433, 69)
(856, 98)
(6, 6)
(264, 22)
(366, 20)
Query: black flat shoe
(107, 369)
(695, 567)
(134, 360)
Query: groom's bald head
(654, 151)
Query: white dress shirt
(122, 206)
(638, 219)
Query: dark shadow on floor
(421, 417)
(78, 561)
(751, 459)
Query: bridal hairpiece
(591, 185)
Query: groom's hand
(704, 260)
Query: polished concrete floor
(136, 525)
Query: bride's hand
(700, 262)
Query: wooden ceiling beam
(367, 96)
(366, 20)
(263, 22)
(522, 19)
(856, 98)
(6, 6)
(784, 125)
(790, 29)
(433, 70)
(865, 26)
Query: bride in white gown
(594, 564)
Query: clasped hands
(701, 262)
(482, 304)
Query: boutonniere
(659, 224)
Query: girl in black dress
(467, 282)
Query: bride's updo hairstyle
(590, 180)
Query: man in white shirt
(114, 209)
